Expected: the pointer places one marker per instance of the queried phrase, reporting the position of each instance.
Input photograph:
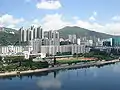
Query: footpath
(98, 63)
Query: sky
(97, 15)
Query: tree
(74, 55)
(80, 54)
(58, 53)
(0, 58)
(54, 60)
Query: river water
(93, 78)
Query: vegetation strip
(58, 68)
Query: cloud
(54, 22)
(1, 25)
(11, 26)
(109, 28)
(49, 4)
(75, 17)
(9, 21)
(93, 17)
(57, 21)
(113, 28)
(116, 18)
(36, 22)
(94, 13)
(49, 84)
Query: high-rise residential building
(36, 44)
(49, 34)
(27, 35)
(34, 33)
(45, 41)
(31, 33)
(107, 42)
(21, 34)
(54, 38)
(115, 41)
(79, 41)
(72, 38)
(90, 42)
(39, 33)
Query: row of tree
(19, 63)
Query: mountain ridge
(64, 32)
(10, 36)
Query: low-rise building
(54, 49)
(8, 50)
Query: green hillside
(81, 32)
(9, 30)
(8, 36)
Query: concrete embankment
(58, 68)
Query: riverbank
(98, 63)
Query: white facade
(36, 44)
(90, 43)
(54, 38)
(31, 33)
(51, 49)
(72, 38)
(45, 49)
(45, 41)
(27, 48)
(80, 49)
(8, 50)
(25, 35)
(78, 41)
(65, 48)
(26, 54)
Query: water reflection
(89, 78)
(50, 84)
(26, 75)
(56, 72)
(116, 68)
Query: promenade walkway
(59, 67)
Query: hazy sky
(97, 15)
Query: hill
(81, 32)
(8, 36)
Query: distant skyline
(98, 15)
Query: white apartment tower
(31, 33)
(72, 38)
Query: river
(103, 78)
